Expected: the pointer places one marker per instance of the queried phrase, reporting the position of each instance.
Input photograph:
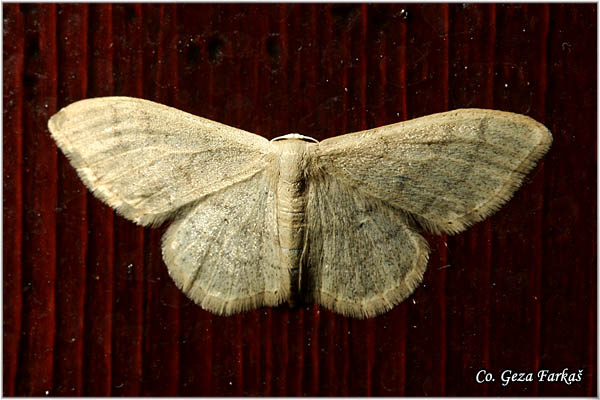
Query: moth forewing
(447, 170)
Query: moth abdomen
(291, 209)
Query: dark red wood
(516, 250)
(471, 84)
(98, 323)
(89, 308)
(569, 291)
(36, 355)
(161, 315)
(198, 51)
(129, 239)
(72, 226)
(386, 68)
(427, 74)
(12, 184)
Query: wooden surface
(89, 308)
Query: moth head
(295, 136)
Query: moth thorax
(295, 136)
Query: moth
(257, 223)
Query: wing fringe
(383, 302)
(502, 195)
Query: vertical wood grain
(198, 54)
(569, 291)
(39, 203)
(471, 84)
(129, 238)
(227, 374)
(427, 92)
(71, 213)
(355, 64)
(162, 298)
(516, 262)
(12, 185)
(387, 104)
(98, 323)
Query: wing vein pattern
(446, 170)
(147, 160)
(225, 252)
(361, 256)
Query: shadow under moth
(256, 222)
